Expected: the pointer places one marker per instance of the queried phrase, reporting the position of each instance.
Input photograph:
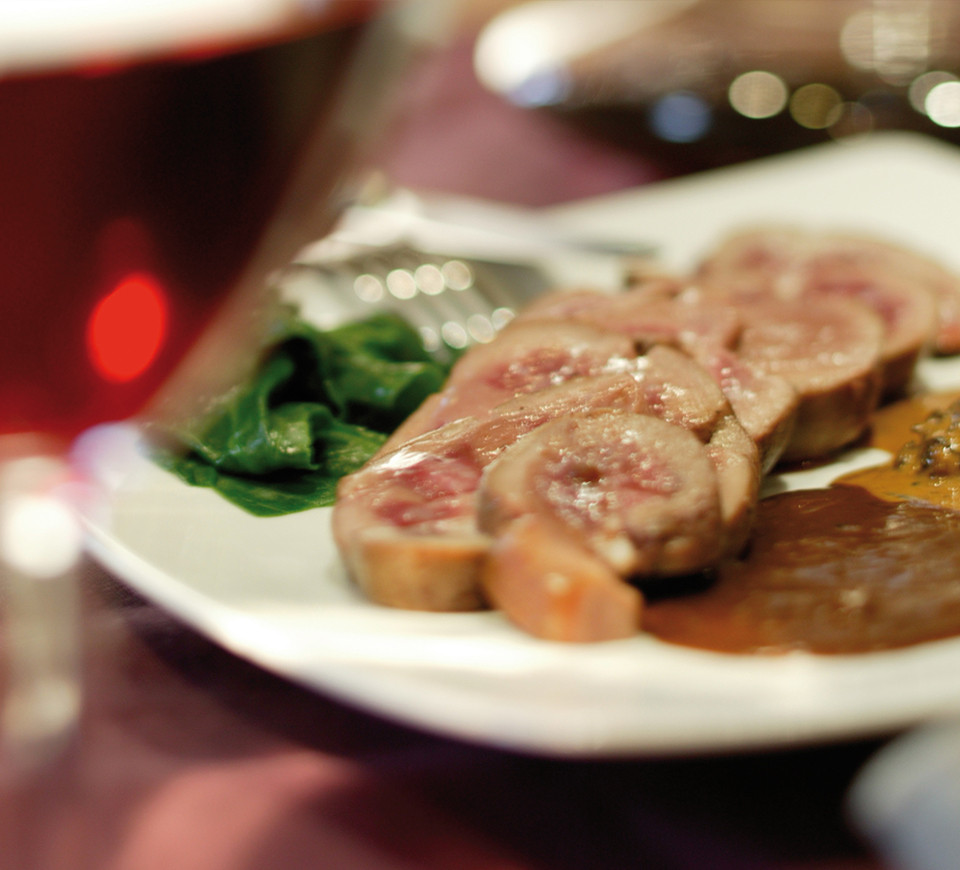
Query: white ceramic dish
(273, 591)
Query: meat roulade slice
(523, 358)
(918, 270)
(900, 287)
(755, 261)
(830, 353)
(764, 403)
(769, 252)
(405, 524)
(660, 312)
(639, 493)
(679, 390)
(577, 506)
(907, 311)
(650, 313)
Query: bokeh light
(127, 327)
(401, 284)
(921, 86)
(41, 536)
(758, 94)
(681, 117)
(816, 106)
(890, 38)
(856, 40)
(942, 104)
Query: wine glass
(156, 162)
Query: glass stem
(40, 546)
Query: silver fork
(452, 301)
(458, 269)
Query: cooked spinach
(319, 404)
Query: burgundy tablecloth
(191, 759)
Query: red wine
(132, 199)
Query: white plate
(272, 590)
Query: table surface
(191, 758)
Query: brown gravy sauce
(871, 563)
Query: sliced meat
(524, 357)
(756, 262)
(830, 354)
(677, 389)
(555, 589)
(405, 524)
(912, 269)
(639, 493)
(827, 347)
(560, 462)
(683, 322)
(661, 312)
(765, 404)
(651, 313)
(706, 329)
(792, 264)
(907, 311)
(435, 572)
(415, 506)
(737, 465)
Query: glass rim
(38, 34)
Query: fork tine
(453, 302)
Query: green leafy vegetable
(318, 406)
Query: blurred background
(631, 91)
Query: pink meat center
(884, 304)
(587, 494)
(431, 490)
(540, 369)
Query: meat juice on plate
(135, 196)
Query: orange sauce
(892, 429)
